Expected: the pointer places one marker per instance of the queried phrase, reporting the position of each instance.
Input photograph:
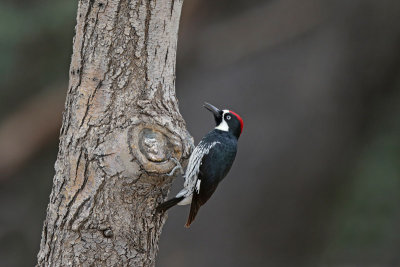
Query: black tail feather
(168, 204)
(194, 208)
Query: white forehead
(225, 111)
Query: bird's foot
(178, 166)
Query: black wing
(214, 167)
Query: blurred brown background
(317, 177)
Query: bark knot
(154, 147)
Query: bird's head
(226, 120)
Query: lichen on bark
(121, 127)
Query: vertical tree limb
(121, 127)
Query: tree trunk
(121, 129)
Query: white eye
(228, 117)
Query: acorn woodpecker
(209, 163)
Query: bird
(209, 162)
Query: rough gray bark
(121, 127)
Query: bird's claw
(178, 166)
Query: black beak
(217, 113)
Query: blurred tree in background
(36, 38)
(316, 181)
(35, 50)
